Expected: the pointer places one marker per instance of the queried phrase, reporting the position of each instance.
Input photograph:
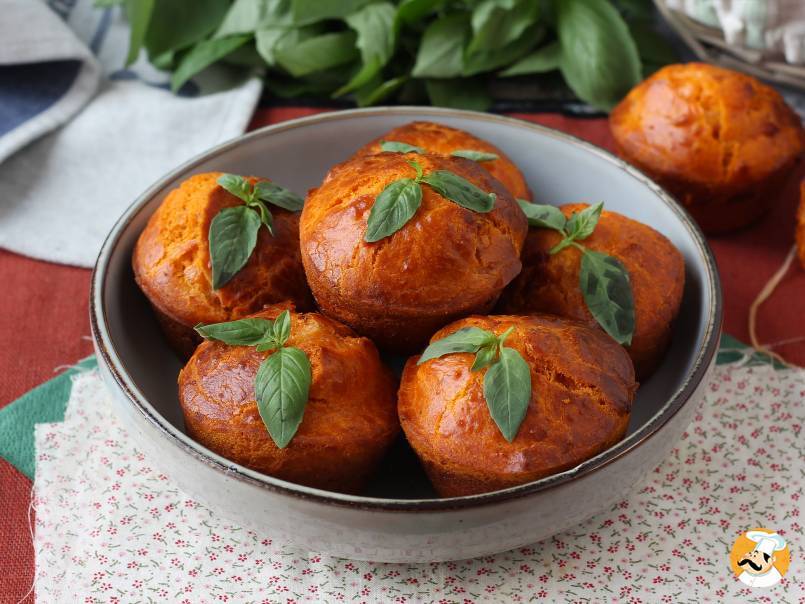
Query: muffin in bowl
(576, 387)
(335, 435)
(720, 141)
(172, 262)
(549, 283)
(437, 261)
(430, 137)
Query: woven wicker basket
(709, 45)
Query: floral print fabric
(111, 528)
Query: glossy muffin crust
(550, 283)
(349, 420)
(582, 386)
(443, 140)
(171, 263)
(720, 141)
(444, 263)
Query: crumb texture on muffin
(582, 387)
(711, 136)
(550, 283)
(172, 259)
(349, 420)
(445, 262)
(444, 140)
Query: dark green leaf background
(444, 52)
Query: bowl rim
(705, 355)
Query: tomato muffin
(443, 261)
(344, 430)
(172, 263)
(550, 283)
(720, 141)
(577, 404)
(436, 138)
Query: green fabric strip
(44, 404)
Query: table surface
(45, 320)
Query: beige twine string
(764, 295)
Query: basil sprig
(603, 280)
(282, 384)
(399, 200)
(399, 147)
(507, 381)
(233, 231)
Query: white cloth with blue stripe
(81, 137)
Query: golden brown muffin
(801, 224)
(349, 420)
(656, 270)
(719, 140)
(172, 263)
(445, 262)
(443, 140)
(582, 386)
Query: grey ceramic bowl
(400, 520)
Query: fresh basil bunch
(283, 379)
(399, 201)
(233, 231)
(507, 381)
(408, 50)
(603, 280)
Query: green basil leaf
(460, 190)
(416, 166)
(317, 53)
(599, 59)
(268, 39)
(237, 185)
(540, 61)
(485, 357)
(243, 17)
(475, 155)
(243, 332)
(138, 13)
(482, 61)
(178, 24)
(507, 390)
(395, 206)
(311, 11)
(233, 235)
(441, 52)
(376, 91)
(282, 387)
(202, 56)
(459, 93)
(374, 25)
(607, 291)
(582, 224)
(279, 196)
(496, 23)
(543, 216)
(398, 147)
(466, 339)
(413, 11)
(282, 328)
(265, 215)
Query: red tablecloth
(44, 321)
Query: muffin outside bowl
(582, 386)
(349, 419)
(445, 262)
(720, 141)
(550, 283)
(172, 264)
(444, 140)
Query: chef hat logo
(760, 557)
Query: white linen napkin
(110, 527)
(81, 137)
